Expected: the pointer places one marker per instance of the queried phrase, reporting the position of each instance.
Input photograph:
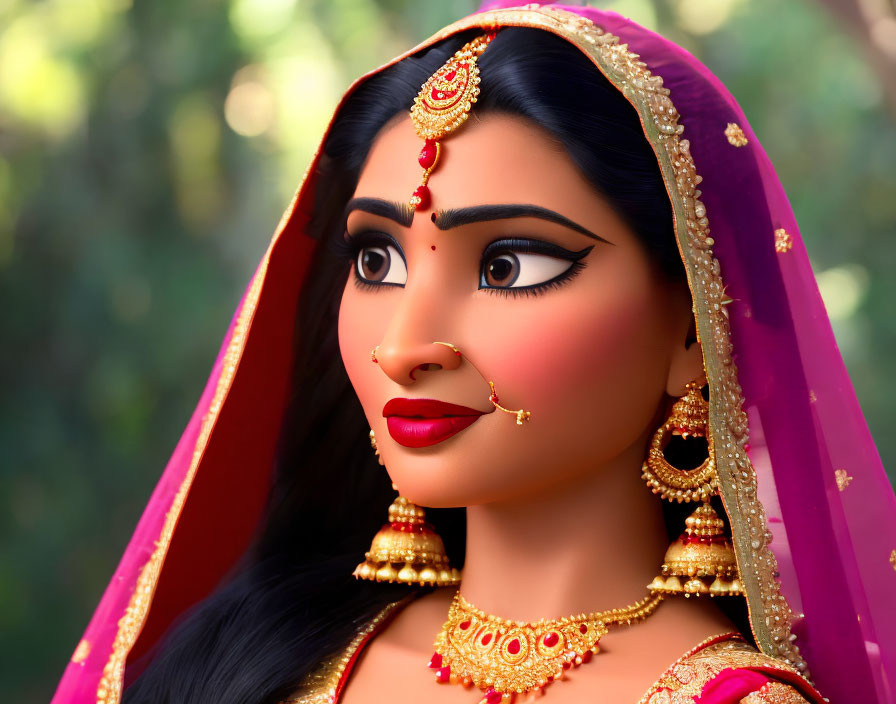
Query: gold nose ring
(448, 344)
(373, 354)
(521, 415)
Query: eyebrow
(447, 219)
(402, 213)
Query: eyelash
(350, 246)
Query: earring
(689, 417)
(702, 560)
(406, 549)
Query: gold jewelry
(442, 105)
(448, 344)
(406, 549)
(521, 415)
(506, 657)
(689, 417)
(376, 450)
(373, 354)
(702, 560)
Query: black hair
(293, 601)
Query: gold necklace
(503, 657)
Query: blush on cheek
(598, 365)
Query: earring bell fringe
(701, 562)
(407, 550)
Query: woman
(517, 317)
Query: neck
(591, 544)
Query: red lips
(419, 422)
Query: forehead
(493, 158)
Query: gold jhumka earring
(406, 549)
(701, 561)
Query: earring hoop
(689, 417)
(521, 415)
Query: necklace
(504, 658)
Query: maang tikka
(702, 560)
(442, 105)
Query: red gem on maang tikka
(442, 105)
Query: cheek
(357, 335)
(592, 361)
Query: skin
(559, 520)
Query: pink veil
(823, 531)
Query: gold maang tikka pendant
(442, 105)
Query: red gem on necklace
(551, 639)
(492, 697)
(486, 638)
(435, 661)
(583, 629)
(443, 674)
(513, 647)
(464, 625)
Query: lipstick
(420, 422)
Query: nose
(401, 361)
(410, 343)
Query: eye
(517, 269)
(381, 264)
(527, 264)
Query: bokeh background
(147, 151)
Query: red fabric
(222, 510)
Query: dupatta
(812, 513)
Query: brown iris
(502, 270)
(373, 263)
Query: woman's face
(551, 297)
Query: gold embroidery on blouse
(81, 652)
(735, 135)
(322, 682)
(783, 241)
(774, 693)
(843, 478)
(687, 677)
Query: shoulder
(731, 672)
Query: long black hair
(293, 601)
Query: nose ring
(448, 344)
(373, 354)
(521, 415)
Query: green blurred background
(147, 152)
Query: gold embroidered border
(687, 676)
(770, 615)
